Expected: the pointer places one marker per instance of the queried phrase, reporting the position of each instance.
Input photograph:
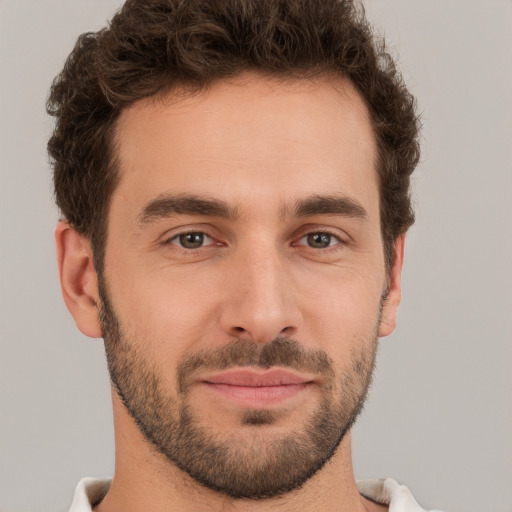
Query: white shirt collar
(90, 491)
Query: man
(234, 183)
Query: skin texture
(260, 147)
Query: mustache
(284, 352)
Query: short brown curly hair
(151, 46)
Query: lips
(253, 378)
(250, 388)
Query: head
(238, 174)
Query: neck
(145, 480)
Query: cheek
(166, 313)
(344, 313)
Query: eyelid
(332, 235)
(179, 235)
(338, 242)
(337, 233)
(175, 232)
(168, 240)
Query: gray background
(440, 414)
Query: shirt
(90, 491)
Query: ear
(78, 279)
(390, 307)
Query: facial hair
(239, 466)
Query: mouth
(253, 389)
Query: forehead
(252, 136)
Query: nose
(261, 302)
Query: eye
(319, 240)
(191, 240)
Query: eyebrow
(169, 206)
(329, 205)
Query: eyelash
(169, 241)
(334, 236)
(190, 251)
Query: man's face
(244, 278)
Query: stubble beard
(250, 465)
